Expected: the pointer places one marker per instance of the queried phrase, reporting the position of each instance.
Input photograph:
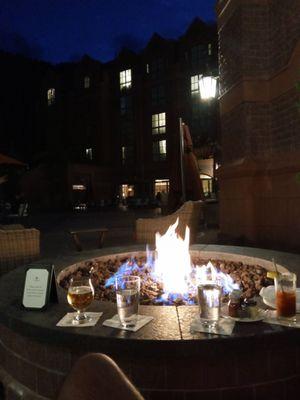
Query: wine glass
(80, 296)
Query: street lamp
(208, 87)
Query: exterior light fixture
(208, 87)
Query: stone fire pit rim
(248, 255)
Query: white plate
(260, 316)
(268, 296)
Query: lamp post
(208, 87)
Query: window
(127, 190)
(51, 96)
(87, 82)
(209, 49)
(125, 79)
(157, 68)
(80, 188)
(127, 155)
(198, 55)
(195, 85)
(159, 150)
(158, 95)
(125, 105)
(89, 153)
(159, 123)
(161, 185)
(127, 131)
(202, 123)
(196, 107)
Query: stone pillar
(259, 58)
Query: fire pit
(251, 278)
(170, 274)
(164, 359)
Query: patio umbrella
(185, 182)
(6, 160)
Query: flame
(173, 261)
(208, 273)
(171, 265)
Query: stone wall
(259, 47)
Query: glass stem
(80, 315)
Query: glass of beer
(285, 289)
(80, 296)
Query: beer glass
(80, 296)
(128, 292)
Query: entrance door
(127, 190)
(161, 185)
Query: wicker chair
(189, 215)
(17, 246)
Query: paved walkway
(56, 241)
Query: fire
(171, 265)
(173, 262)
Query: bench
(75, 236)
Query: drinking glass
(128, 293)
(209, 297)
(285, 289)
(80, 296)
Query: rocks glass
(209, 297)
(80, 296)
(285, 290)
(128, 293)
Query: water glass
(209, 298)
(285, 289)
(128, 292)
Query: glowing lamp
(208, 87)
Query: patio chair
(189, 214)
(18, 246)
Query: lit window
(51, 96)
(158, 95)
(147, 68)
(160, 150)
(195, 84)
(125, 79)
(89, 153)
(87, 82)
(127, 190)
(161, 185)
(80, 187)
(159, 123)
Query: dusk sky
(64, 30)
